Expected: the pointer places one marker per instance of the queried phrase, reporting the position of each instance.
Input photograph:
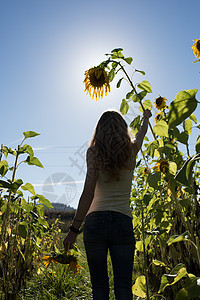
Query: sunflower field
(165, 191)
(165, 202)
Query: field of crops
(165, 202)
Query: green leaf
(135, 124)
(44, 201)
(175, 275)
(16, 184)
(142, 72)
(181, 175)
(139, 287)
(32, 160)
(119, 82)
(193, 118)
(152, 146)
(178, 238)
(154, 179)
(159, 263)
(193, 286)
(182, 107)
(172, 167)
(29, 134)
(182, 295)
(3, 167)
(147, 104)
(161, 128)
(111, 75)
(185, 173)
(145, 85)
(183, 137)
(114, 65)
(128, 60)
(116, 50)
(26, 149)
(190, 166)
(124, 107)
(197, 147)
(128, 95)
(28, 187)
(187, 125)
(23, 229)
(5, 184)
(139, 97)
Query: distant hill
(62, 207)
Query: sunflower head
(158, 117)
(96, 79)
(160, 102)
(73, 266)
(162, 166)
(196, 48)
(47, 260)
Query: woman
(111, 159)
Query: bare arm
(85, 199)
(143, 130)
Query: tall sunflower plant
(166, 178)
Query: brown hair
(112, 143)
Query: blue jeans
(113, 231)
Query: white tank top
(112, 195)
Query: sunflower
(162, 166)
(96, 78)
(196, 48)
(158, 117)
(73, 266)
(160, 102)
(48, 259)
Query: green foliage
(182, 107)
(145, 86)
(161, 128)
(165, 192)
(21, 222)
(139, 287)
(124, 107)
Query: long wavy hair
(112, 143)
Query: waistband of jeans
(107, 213)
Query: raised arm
(139, 137)
(85, 199)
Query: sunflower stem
(133, 87)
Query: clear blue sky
(45, 48)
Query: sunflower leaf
(193, 118)
(117, 50)
(32, 160)
(128, 60)
(124, 107)
(139, 287)
(139, 71)
(119, 82)
(128, 95)
(28, 187)
(139, 97)
(111, 75)
(161, 128)
(145, 86)
(182, 107)
(29, 134)
(197, 147)
(147, 104)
